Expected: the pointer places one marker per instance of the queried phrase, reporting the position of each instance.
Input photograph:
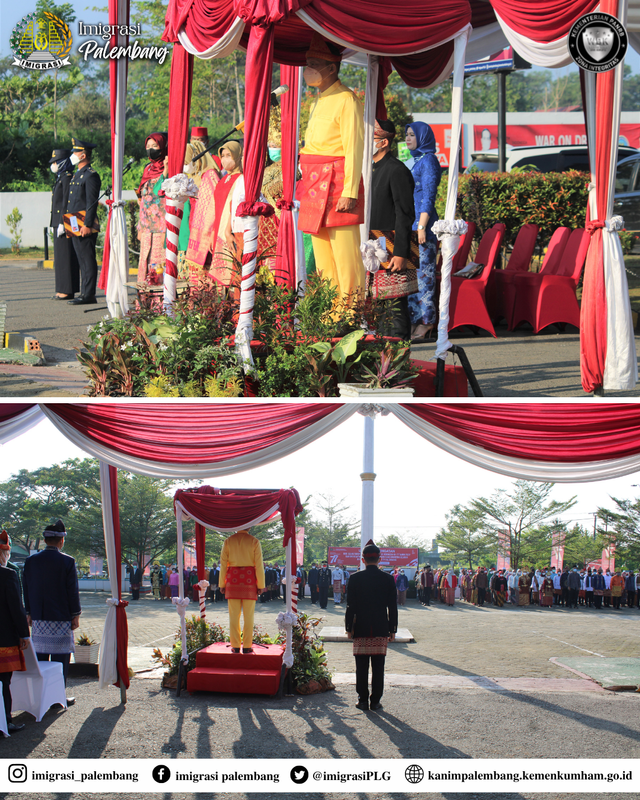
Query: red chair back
(574, 255)
(523, 248)
(488, 249)
(460, 258)
(554, 250)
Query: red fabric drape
(285, 269)
(236, 508)
(200, 544)
(180, 86)
(9, 411)
(193, 433)
(122, 628)
(257, 106)
(570, 432)
(593, 309)
(543, 20)
(385, 68)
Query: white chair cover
(39, 687)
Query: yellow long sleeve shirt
(241, 550)
(336, 128)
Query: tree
(518, 515)
(331, 528)
(464, 538)
(622, 528)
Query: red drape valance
(542, 20)
(558, 433)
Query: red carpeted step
(221, 656)
(241, 680)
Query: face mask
(75, 158)
(188, 169)
(153, 154)
(275, 153)
(312, 77)
(54, 167)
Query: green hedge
(549, 200)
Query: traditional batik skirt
(11, 659)
(523, 597)
(450, 596)
(370, 646)
(499, 598)
(52, 637)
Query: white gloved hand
(60, 230)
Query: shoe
(362, 705)
(83, 301)
(250, 650)
(376, 706)
(62, 297)
(235, 649)
(71, 701)
(12, 727)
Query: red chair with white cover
(555, 294)
(519, 261)
(468, 295)
(517, 299)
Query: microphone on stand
(240, 126)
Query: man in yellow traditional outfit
(331, 193)
(242, 578)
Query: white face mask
(188, 169)
(54, 167)
(75, 158)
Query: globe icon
(414, 773)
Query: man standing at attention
(51, 599)
(331, 193)
(84, 191)
(242, 578)
(371, 621)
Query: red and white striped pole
(177, 191)
(203, 586)
(244, 328)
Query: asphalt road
(516, 364)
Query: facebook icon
(161, 774)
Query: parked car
(627, 192)
(550, 158)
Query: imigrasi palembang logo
(41, 41)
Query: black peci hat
(57, 529)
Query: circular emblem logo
(414, 773)
(41, 41)
(598, 42)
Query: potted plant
(390, 377)
(86, 650)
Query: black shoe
(71, 701)
(362, 705)
(236, 649)
(250, 650)
(62, 297)
(13, 727)
(83, 301)
(376, 706)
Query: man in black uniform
(313, 584)
(51, 599)
(65, 261)
(392, 213)
(84, 191)
(371, 620)
(324, 582)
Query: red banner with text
(389, 556)
(485, 137)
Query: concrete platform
(337, 634)
(614, 674)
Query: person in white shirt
(337, 577)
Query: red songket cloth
(320, 189)
(241, 584)
(12, 659)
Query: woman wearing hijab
(523, 588)
(499, 588)
(65, 261)
(426, 173)
(450, 583)
(197, 171)
(546, 591)
(151, 223)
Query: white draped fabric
(117, 299)
(259, 520)
(449, 229)
(370, 99)
(108, 647)
(223, 47)
(542, 54)
(159, 469)
(526, 469)
(18, 425)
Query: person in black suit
(65, 261)
(371, 620)
(135, 578)
(324, 582)
(51, 599)
(214, 580)
(14, 629)
(84, 191)
(314, 574)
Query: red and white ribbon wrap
(244, 329)
(204, 585)
(294, 597)
(177, 190)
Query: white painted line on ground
(569, 644)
